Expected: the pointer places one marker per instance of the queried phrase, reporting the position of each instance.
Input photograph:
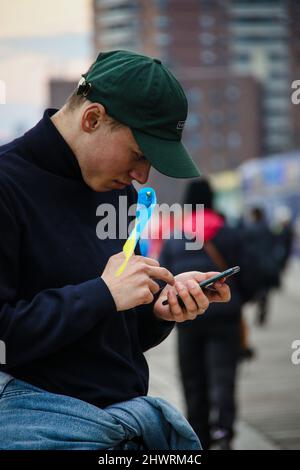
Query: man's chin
(98, 187)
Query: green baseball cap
(140, 92)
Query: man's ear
(92, 117)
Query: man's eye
(139, 157)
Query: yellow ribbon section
(128, 249)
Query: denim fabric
(31, 418)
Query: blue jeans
(34, 419)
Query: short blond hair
(74, 101)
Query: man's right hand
(136, 285)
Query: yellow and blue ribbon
(145, 205)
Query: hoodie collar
(47, 148)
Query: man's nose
(141, 172)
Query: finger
(180, 313)
(178, 308)
(222, 293)
(153, 286)
(191, 309)
(160, 273)
(175, 309)
(148, 261)
(199, 277)
(183, 292)
(200, 298)
(164, 292)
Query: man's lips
(121, 183)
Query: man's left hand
(195, 299)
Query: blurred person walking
(283, 230)
(265, 266)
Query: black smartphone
(227, 273)
(208, 282)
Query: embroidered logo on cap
(180, 125)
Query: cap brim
(167, 156)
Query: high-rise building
(223, 126)
(294, 38)
(194, 33)
(258, 38)
(261, 45)
(125, 24)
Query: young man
(74, 332)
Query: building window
(163, 39)
(195, 142)
(217, 141)
(216, 117)
(242, 58)
(126, 6)
(233, 118)
(208, 57)
(162, 3)
(192, 120)
(161, 21)
(278, 74)
(217, 162)
(206, 21)
(260, 40)
(277, 56)
(207, 39)
(215, 97)
(194, 95)
(233, 161)
(234, 140)
(232, 92)
(255, 20)
(120, 26)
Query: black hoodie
(57, 317)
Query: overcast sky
(39, 40)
